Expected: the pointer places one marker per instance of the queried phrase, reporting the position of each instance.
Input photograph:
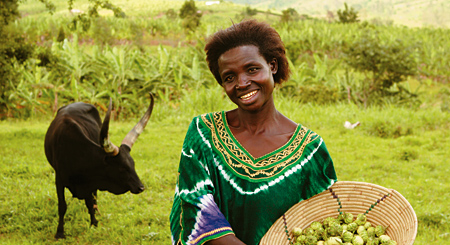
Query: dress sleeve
(195, 217)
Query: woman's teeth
(247, 96)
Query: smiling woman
(240, 170)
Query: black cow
(78, 148)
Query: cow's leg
(90, 202)
(95, 202)
(62, 207)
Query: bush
(9, 11)
(347, 15)
(288, 15)
(171, 14)
(384, 65)
(190, 15)
(14, 50)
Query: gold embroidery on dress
(266, 167)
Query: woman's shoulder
(206, 119)
(209, 117)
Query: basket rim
(395, 200)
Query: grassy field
(398, 148)
(402, 148)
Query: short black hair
(248, 32)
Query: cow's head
(120, 169)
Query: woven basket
(382, 206)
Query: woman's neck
(254, 122)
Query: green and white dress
(222, 189)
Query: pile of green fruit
(343, 230)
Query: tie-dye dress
(221, 189)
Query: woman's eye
(228, 79)
(252, 70)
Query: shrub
(190, 15)
(289, 14)
(171, 14)
(347, 15)
(9, 11)
(14, 51)
(384, 65)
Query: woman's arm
(229, 239)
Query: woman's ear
(274, 65)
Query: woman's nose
(242, 82)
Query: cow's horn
(107, 145)
(139, 128)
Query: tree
(288, 15)
(347, 15)
(384, 64)
(190, 15)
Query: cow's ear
(106, 144)
(125, 147)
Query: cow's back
(74, 131)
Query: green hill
(413, 13)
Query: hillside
(413, 13)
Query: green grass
(399, 148)
(413, 162)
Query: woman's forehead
(240, 53)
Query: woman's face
(247, 77)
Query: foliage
(315, 85)
(75, 66)
(191, 15)
(85, 20)
(188, 9)
(14, 51)
(289, 14)
(347, 15)
(171, 14)
(385, 65)
(249, 12)
(9, 11)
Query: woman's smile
(247, 77)
(248, 96)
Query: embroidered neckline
(249, 155)
(242, 163)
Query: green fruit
(380, 230)
(371, 231)
(360, 219)
(360, 229)
(297, 231)
(352, 227)
(384, 239)
(357, 240)
(348, 218)
(333, 241)
(347, 236)
(316, 225)
(311, 240)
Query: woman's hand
(229, 239)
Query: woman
(240, 170)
